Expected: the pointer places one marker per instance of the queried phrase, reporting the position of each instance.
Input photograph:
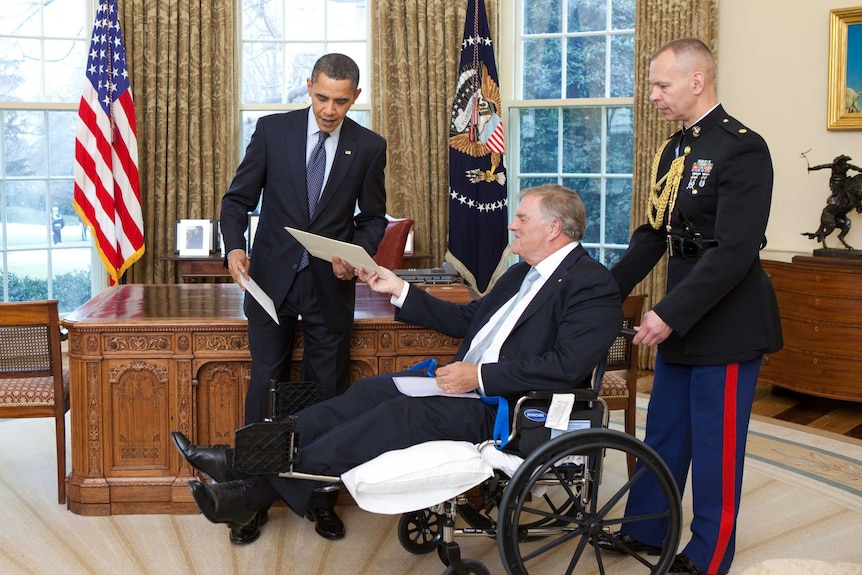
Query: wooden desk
(194, 269)
(146, 359)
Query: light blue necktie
(314, 171)
(481, 346)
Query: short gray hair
(560, 203)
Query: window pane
(28, 275)
(618, 193)
(539, 137)
(305, 20)
(543, 74)
(24, 143)
(620, 145)
(261, 72)
(582, 140)
(585, 67)
(623, 66)
(533, 182)
(65, 18)
(61, 201)
(590, 190)
(542, 17)
(61, 143)
(361, 117)
(64, 65)
(70, 282)
(21, 17)
(587, 15)
(26, 214)
(346, 19)
(264, 20)
(623, 14)
(21, 72)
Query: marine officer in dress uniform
(708, 208)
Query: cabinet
(820, 302)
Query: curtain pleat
(658, 22)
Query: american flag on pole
(478, 204)
(107, 193)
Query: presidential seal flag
(107, 194)
(478, 204)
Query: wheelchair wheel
(420, 531)
(570, 469)
(473, 568)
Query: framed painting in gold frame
(845, 69)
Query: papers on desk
(425, 387)
(260, 296)
(325, 248)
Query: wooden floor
(836, 416)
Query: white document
(423, 386)
(325, 248)
(260, 296)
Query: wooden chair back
(33, 382)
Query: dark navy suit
(561, 336)
(724, 316)
(274, 165)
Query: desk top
(174, 304)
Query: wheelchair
(554, 509)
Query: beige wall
(772, 76)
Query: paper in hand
(260, 296)
(325, 248)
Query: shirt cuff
(399, 300)
(481, 384)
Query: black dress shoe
(327, 523)
(250, 531)
(211, 460)
(682, 564)
(621, 543)
(223, 502)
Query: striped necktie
(314, 171)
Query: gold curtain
(182, 60)
(415, 48)
(658, 22)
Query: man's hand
(652, 330)
(237, 265)
(458, 377)
(342, 269)
(385, 281)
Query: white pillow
(416, 477)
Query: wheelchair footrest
(267, 448)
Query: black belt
(679, 247)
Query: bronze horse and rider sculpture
(846, 195)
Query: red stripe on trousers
(728, 467)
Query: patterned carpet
(802, 500)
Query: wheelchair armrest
(581, 394)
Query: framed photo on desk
(195, 237)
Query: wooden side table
(194, 269)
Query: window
(281, 40)
(571, 119)
(44, 250)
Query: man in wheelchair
(545, 325)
